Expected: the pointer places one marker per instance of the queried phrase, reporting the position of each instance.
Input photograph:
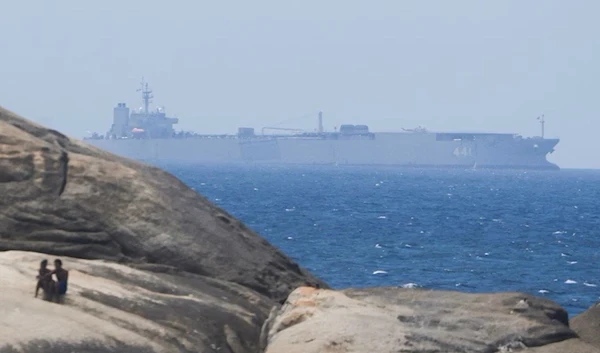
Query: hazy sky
(217, 65)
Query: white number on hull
(463, 151)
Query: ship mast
(146, 95)
(543, 123)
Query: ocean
(468, 230)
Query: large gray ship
(148, 135)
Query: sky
(491, 66)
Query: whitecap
(217, 199)
(571, 262)
(408, 246)
(487, 254)
(378, 246)
(543, 291)
(559, 232)
(255, 189)
(289, 209)
(563, 254)
(290, 238)
(377, 184)
(570, 281)
(379, 272)
(496, 220)
(382, 217)
(589, 284)
(410, 285)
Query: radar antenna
(542, 122)
(146, 95)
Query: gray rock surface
(61, 196)
(415, 320)
(155, 267)
(115, 308)
(587, 325)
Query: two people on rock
(53, 290)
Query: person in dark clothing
(45, 281)
(62, 278)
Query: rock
(154, 267)
(416, 320)
(112, 307)
(587, 325)
(61, 196)
(266, 327)
(574, 345)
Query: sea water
(469, 230)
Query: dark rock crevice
(64, 170)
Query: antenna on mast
(146, 95)
(320, 128)
(542, 122)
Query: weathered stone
(61, 196)
(587, 325)
(573, 345)
(186, 276)
(112, 306)
(415, 320)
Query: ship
(149, 135)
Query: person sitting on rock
(45, 281)
(62, 277)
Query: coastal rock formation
(587, 325)
(115, 308)
(414, 320)
(61, 196)
(155, 267)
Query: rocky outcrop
(61, 196)
(115, 308)
(415, 320)
(155, 267)
(587, 325)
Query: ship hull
(385, 149)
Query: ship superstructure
(142, 123)
(149, 136)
